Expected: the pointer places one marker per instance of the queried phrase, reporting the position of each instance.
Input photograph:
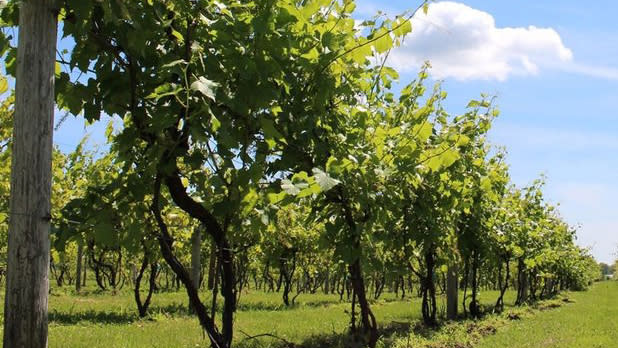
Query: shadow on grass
(280, 306)
(388, 333)
(176, 309)
(98, 317)
(173, 309)
(114, 317)
(181, 309)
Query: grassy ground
(105, 320)
(93, 319)
(590, 322)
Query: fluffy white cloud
(464, 43)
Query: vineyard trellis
(272, 129)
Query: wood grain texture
(25, 311)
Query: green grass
(591, 321)
(95, 319)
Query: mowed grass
(590, 322)
(106, 320)
(102, 319)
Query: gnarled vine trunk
(142, 306)
(219, 339)
(503, 285)
(429, 305)
(522, 283)
(369, 327)
(287, 270)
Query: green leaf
(223, 9)
(164, 90)
(423, 131)
(104, 232)
(249, 201)
(185, 182)
(442, 158)
(4, 85)
(449, 157)
(384, 41)
(473, 104)
(215, 123)
(109, 129)
(289, 187)
(206, 87)
(270, 132)
(486, 184)
(336, 166)
(178, 35)
(403, 27)
(463, 140)
(310, 190)
(312, 55)
(324, 180)
(360, 53)
(274, 198)
(81, 8)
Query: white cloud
(603, 72)
(464, 43)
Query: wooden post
(196, 257)
(451, 291)
(78, 271)
(212, 263)
(85, 266)
(25, 307)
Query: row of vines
(265, 145)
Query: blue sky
(553, 66)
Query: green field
(104, 320)
(591, 321)
(93, 319)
